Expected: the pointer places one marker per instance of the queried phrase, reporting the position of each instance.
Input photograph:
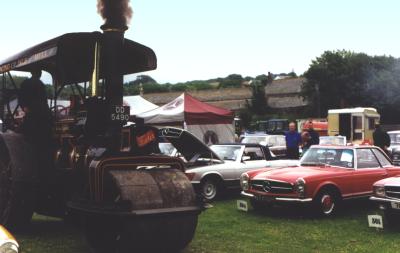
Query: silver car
(394, 148)
(275, 143)
(218, 167)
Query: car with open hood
(326, 176)
(218, 167)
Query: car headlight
(379, 191)
(9, 247)
(300, 187)
(8, 244)
(244, 181)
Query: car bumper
(278, 199)
(384, 200)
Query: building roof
(281, 94)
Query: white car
(394, 148)
(218, 167)
(387, 194)
(275, 143)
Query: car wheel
(260, 206)
(210, 189)
(326, 203)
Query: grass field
(225, 229)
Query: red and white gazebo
(209, 123)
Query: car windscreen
(226, 152)
(394, 138)
(328, 156)
(332, 140)
(253, 139)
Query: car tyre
(210, 189)
(326, 203)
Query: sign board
(375, 221)
(242, 205)
(145, 138)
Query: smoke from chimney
(116, 13)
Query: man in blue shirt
(293, 141)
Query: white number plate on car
(395, 205)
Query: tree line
(147, 84)
(342, 79)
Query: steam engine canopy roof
(69, 58)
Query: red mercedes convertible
(326, 176)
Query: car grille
(393, 191)
(271, 186)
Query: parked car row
(218, 167)
(326, 175)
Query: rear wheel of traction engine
(210, 188)
(326, 203)
(17, 199)
(169, 233)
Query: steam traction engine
(103, 173)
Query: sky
(199, 40)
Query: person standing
(37, 124)
(293, 141)
(314, 136)
(381, 138)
